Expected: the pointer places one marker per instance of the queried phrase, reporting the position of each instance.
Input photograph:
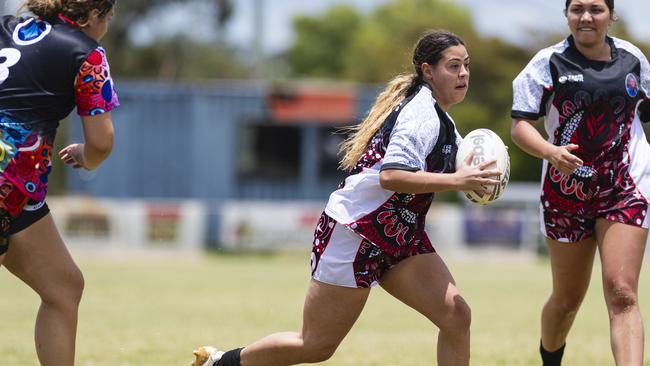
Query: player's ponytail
(44, 9)
(428, 49)
(354, 146)
(75, 10)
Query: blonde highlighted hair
(355, 145)
(76, 10)
(429, 49)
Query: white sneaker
(206, 356)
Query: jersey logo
(31, 31)
(631, 85)
(579, 78)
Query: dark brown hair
(429, 48)
(76, 10)
(610, 5)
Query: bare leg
(571, 266)
(39, 258)
(329, 313)
(621, 253)
(424, 283)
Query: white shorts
(342, 257)
(336, 263)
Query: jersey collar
(608, 39)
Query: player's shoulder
(26, 31)
(544, 55)
(6, 19)
(9, 21)
(628, 46)
(9, 24)
(73, 37)
(420, 106)
(421, 100)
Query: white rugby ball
(486, 145)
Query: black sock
(551, 358)
(230, 358)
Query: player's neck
(597, 52)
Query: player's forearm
(404, 181)
(526, 136)
(95, 154)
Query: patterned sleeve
(94, 91)
(643, 108)
(532, 86)
(645, 66)
(411, 141)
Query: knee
(316, 348)
(462, 316)
(75, 286)
(620, 296)
(458, 318)
(66, 291)
(319, 353)
(566, 306)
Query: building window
(269, 152)
(330, 139)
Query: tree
(131, 12)
(382, 47)
(178, 57)
(375, 48)
(320, 42)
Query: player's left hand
(73, 155)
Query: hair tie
(67, 20)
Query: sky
(488, 15)
(508, 19)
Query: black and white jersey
(593, 104)
(562, 85)
(417, 136)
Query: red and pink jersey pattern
(94, 91)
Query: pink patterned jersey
(46, 69)
(94, 92)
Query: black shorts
(32, 212)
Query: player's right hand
(563, 160)
(476, 178)
(73, 155)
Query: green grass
(153, 312)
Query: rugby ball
(486, 145)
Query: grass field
(153, 312)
